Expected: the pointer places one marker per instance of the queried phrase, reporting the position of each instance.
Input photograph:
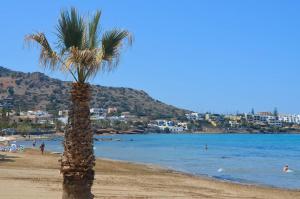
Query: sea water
(244, 158)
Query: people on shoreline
(33, 143)
(42, 147)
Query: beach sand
(29, 175)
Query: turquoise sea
(243, 158)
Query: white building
(293, 119)
(128, 116)
(260, 118)
(265, 118)
(194, 116)
(63, 119)
(98, 113)
(183, 124)
(63, 113)
(233, 123)
(36, 117)
(175, 128)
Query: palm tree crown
(80, 50)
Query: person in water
(206, 147)
(42, 147)
(285, 168)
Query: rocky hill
(37, 91)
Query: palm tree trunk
(78, 159)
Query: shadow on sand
(7, 158)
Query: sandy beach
(29, 175)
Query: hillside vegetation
(33, 91)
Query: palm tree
(82, 53)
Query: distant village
(110, 120)
(250, 122)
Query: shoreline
(173, 170)
(201, 176)
(38, 176)
(54, 135)
(168, 168)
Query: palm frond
(81, 51)
(112, 42)
(97, 66)
(84, 57)
(70, 30)
(48, 57)
(86, 62)
(93, 30)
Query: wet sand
(29, 175)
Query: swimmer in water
(206, 147)
(286, 169)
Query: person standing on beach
(42, 147)
(33, 143)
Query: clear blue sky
(219, 56)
